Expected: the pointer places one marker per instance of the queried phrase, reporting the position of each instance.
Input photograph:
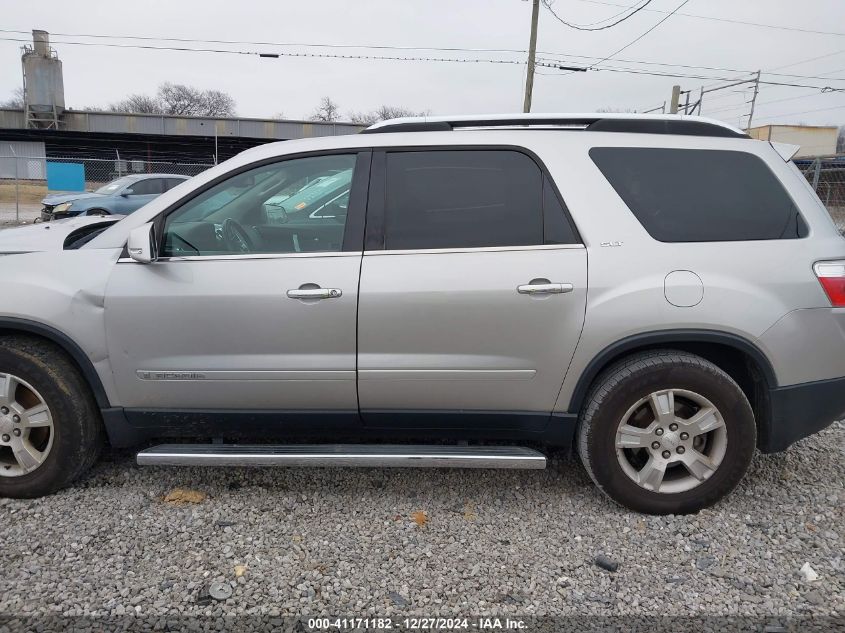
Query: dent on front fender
(65, 291)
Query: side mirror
(142, 245)
(126, 193)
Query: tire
(624, 392)
(43, 371)
(100, 212)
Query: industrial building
(813, 140)
(45, 127)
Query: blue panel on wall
(65, 176)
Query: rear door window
(690, 195)
(467, 199)
(147, 187)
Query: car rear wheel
(50, 429)
(666, 432)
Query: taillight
(832, 278)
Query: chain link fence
(826, 174)
(25, 180)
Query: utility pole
(754, 99)
(676, 96)
(532, 50)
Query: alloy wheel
(671, 441)
(26, 427)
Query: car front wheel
(50, 429)
(666, 432)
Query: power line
(375, 47)
(811, 59)
(552, 63)
(587, 27)
(773, 116)
(447, 49)
(694, 67)
(280, 54)
(634, 71)
(822, 88)
(729, 20)
(637, 39)
(611, 17)
(764, 103)
(479, 60)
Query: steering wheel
(236, 237)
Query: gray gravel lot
(347, 542)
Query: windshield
(114, 185)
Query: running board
(354, 455)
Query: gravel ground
(424, 542)
(28, 213)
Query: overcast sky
(95, 76)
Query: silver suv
(663, 293)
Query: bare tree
(218, 103)
(382, 114)
(141, 104)
(15, 102)
(189, 101)
(328, 110)
(178, 99)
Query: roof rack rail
(632, 123)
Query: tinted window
(147, 187)
(462, 199)
(169, 183)
(682, 195)
(294, 206)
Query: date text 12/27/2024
(416, 624)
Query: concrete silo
(44, 91)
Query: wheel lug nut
(673, 427)
(16, 432)
(681, 450)
(666, 454)
(4, 410)
(16, 418)
(655, 445)
(684, 436)
(6, 438)
(658, 431)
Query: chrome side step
(349, 455)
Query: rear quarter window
(688, 195)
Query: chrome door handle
(544, 289)
(315, 293)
